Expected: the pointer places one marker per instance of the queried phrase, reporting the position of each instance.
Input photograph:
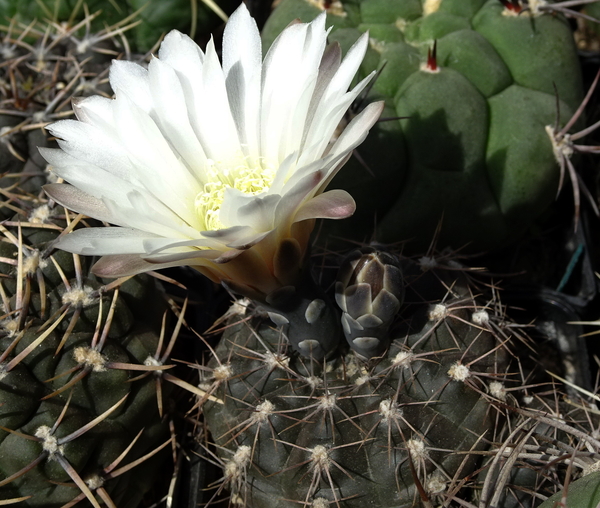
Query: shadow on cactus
(402, 428)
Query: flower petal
(287, 207)
(242, 66)
(290, 74)
(131, 79)
(250, 141)
(75, 199)
(235, 237)
(330, 63)
(90, 144)
(356, 131)
(181, 52)
(95, 110)
(334, 204)
(172, 116)
(257, 212)
(327, 121)
(352, 136)
(85, 175)
(164, 175)
(129, 264)
(217, 129)
(104, 241)
(124, 203)
(346, 71)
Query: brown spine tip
(432, 57)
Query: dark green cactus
(583, 493)
(452, 412)
(349, 432)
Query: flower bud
(369, 291)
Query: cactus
(146, 20)
(469, 89)
(584, 492)
(452, 412)
(429, 399)
(80, 359)
(349, 431)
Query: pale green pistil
(249, 180)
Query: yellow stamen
(250, 180)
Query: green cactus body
(356, 433)
(581, 494)
(70, 351)
(471, 148)
(152, 18)
(68, 355)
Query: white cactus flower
(222, 167)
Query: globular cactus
(145, 20)
(81, 412)
(407, 424)
(451, 412)
(473, 91)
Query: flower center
(249, 180)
